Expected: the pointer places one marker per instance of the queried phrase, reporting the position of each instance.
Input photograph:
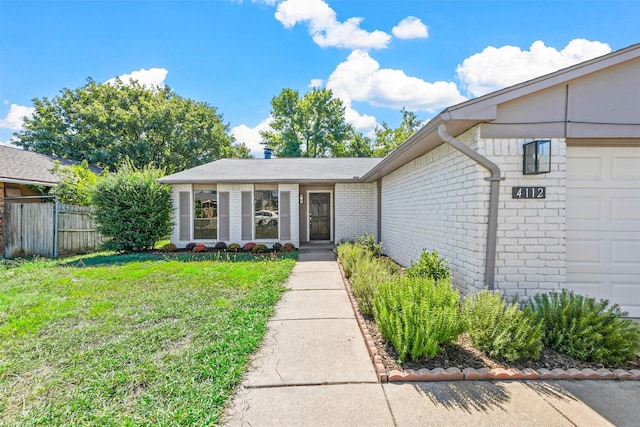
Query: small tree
(133, 210)
(76, 183)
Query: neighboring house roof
(298, 170)
(26, 167)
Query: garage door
(603, 224)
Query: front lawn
(140, 343)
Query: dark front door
(320, 216)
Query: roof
(300, 170)
(26, 167)
(484, 109)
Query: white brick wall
(356, 210)
(531, 232)
(235, 210)
(438, 202)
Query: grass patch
(146, 342)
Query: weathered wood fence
(39, 229)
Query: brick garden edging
(472, 374)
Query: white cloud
(5, 101)
(9, 143)
(496, 68)
(15, 117)
(325, 29)
(153, 77)
(410, 28)
(251, 136)
(360, 78)
(316, 83)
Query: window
(266, 214)
(205, 225)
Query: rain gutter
(494, 193)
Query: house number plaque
(529, 192)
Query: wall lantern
(537, 157)
(301, 199)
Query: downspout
(494, 194)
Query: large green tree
(311, 126)
(105, 124)
(386, 139)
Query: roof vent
(267, 152)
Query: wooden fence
(32, 229)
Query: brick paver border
(472, 374)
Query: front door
(320, 216)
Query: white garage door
(603, 224)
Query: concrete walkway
(313, 370)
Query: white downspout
(494, 194)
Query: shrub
(234, 247)
(248, 247)
(417, 315)
(586, 328)
(260, 249)
(190, 246)
(289, 247)
(368, 274)
(221, 246)
(368, 243)
(132, 210)
(429, 265)
(199, 248)
(277, 247)
(169, 247)
(502, 330)
(349, 254)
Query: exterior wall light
(537, 157)
(301, 199)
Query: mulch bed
(462, 354)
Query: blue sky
(377, 56)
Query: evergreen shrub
(417, 315)
(586, 328)
(502, 330)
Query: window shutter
(223, 216)
(247, 216)
(284, 205)
(184, 202)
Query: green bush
(368, 243)
(586, 328)
(349, 254)
(417, 315)
(502, 330)
(132, 210)
(429, 265)
(368, 274)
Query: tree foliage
(132, 209)
(106, 123)
(312, 126)
(387, 139)
(76, 183)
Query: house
(21, 173)
(531, 188)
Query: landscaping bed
(418, 328)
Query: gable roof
(484, 109)
(26, 167)
(300, 170)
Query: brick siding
(356, 210)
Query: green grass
(146, 342)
